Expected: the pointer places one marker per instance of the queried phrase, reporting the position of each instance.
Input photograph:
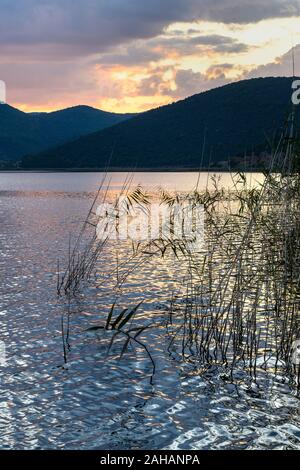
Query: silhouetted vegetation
(23, 133)
(240, 311)
(239, 119)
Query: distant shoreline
(136, 170)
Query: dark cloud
(52, 47)
(159, 48)
(94, 25)
(219, 43)
(245, 11)
(232, 48)
(190, 45)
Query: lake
(98, 401)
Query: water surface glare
(96, 403)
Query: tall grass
(241, 307)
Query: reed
(241, 306)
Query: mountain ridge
(236, 119)
(22, 133)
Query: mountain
(22, 133)
(236, 119)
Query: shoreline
(131, 170)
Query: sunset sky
(133, 55)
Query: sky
(134, 55)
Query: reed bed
(240, 310)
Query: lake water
(87, 182)
(100, 402)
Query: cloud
(132, 55)
(245, 11)
(218, 70)
(194, 44)
(282, 66)
(53, 85)
(58, 53)
(160, 48)
(160, 82)
(90, 26)
(219, 43)
(180, 83)
(189, 83)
